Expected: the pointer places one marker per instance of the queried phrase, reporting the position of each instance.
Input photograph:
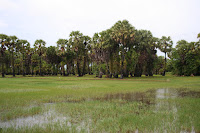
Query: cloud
(53, 19)
(8, 5)
(3, 24)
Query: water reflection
(48, 117)
(144, 97)
(150, 95)
(164, 100)
(166, 93)
(43, 120)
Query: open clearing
(88, 104)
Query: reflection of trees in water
(164, 100)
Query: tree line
(121, 50)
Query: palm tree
(97, 44)
(76, 41)
(182, 49)
(145, 48)
(25, 45)
(70, 56)
(39, 47)
(62, 44)
(33, 59)
(165, 46)
(3, 39)
(141, 46)
(52, 57)
(12, 44)
(107, 48)
(86, 42)
(123, 34)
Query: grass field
(88, 104)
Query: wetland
(89, 104)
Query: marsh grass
(88, 104)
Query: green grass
(76, 106)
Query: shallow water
(163, 101)
(160, 99)
(42, 120)
(48, 117)
(150, 96)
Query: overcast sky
(53, 19)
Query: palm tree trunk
(27, 72)
(18, 69)
(78, 65)
(88, 63)
(91, 67)
(111, 66)
(40, 66)
(78, 69)
(63, 69)
(138, 70)
(31, 67)
(52, 69)
(23, 65)
(67, 68)
(8, 68)
(108, 71)
(13, 69)
(122, 66)
(84, 64)
(100, 71)
(2, 65)
(164, 65)
(57, 68)
(2, 70)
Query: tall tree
(165, 46)
(30, 55)
(123, 34)
(52, 57)
(39, 47)
(182, 50)
(62, 44)
(3, 39)
(107, 49)
(24, 47)
(144, 45)
(98, 58)
(76, 41)
(87, 45)
(152, 44)
(12, 44)
(159, 64)
(185, 58)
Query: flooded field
(133, 105)
(156, 100)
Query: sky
(53, 19)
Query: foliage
(166, 47)
(120, 50)
(185, 58)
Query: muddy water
(150, 96)
(144, 97)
